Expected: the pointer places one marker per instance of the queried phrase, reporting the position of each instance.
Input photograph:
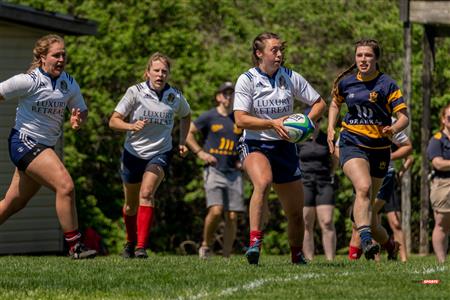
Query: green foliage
(209, 42)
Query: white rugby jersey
(270, 97)
(42, 102)
(140, 102)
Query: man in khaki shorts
(222, 175)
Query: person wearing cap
(318, 167)
(222, 175)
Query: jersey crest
(64, 87)
(216, 127)
(282, 82)
(170, 98)
(373, 97)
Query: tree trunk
(406, 179)
(428, 52)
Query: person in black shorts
(317, 166)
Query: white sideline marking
(253, 284)
(430, 270)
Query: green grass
(186, 277)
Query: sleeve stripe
(249, 75)
(400, 107)
(394, 96)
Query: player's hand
(138, 125)
(277, 125)
(207, 158)
(183, 150)
(389, 132)
(330, 139)
(75, 118)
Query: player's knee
(215, 211)
(231, 217)
(327, 225)
(66, 188)
(146, 198)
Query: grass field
(186, 277)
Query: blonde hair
(41, 48)
(154, 57)
(365, 42)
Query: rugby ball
(299, 127)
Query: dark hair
(258, 44)
(442, 114)
(41, 48)
(154, 57)
(364, 42)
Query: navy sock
(365, 235)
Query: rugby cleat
(299, 259)
(80, 251)
(371, 250)
(128, 250)
(252, 254)
(140, 253)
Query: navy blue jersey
(439, 146)
(371, 104)
(221, 136)
(315, 158)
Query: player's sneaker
(392, 255)
(299, 259)
(252, 254)
(80, 251)
(204, 252)
(140, 253)
(370, 250)
(128, 250)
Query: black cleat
(80, 251)
(392, 255)
(370, 250)
(128, 250)
(140, 253)
(299, 259)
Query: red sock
(389, 245)
(295, 254)
(354, 253)
(130, 226)
(144, 224)
(72, 238)
(256, 236)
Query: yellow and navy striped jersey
(371, 103)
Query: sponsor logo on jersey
(216, 127)
(351, 95)
(170, 98)
(147, 96)
(373, 97)
(64, 87)
(42, 85)
(297, 172)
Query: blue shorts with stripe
(23, 149)
(282, 155)
(132, 168)
(378, 158)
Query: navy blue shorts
(132, 168)
(378, 158)
(282, 155)
(389, 193)
(23, 149)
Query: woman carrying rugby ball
(264, 98)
